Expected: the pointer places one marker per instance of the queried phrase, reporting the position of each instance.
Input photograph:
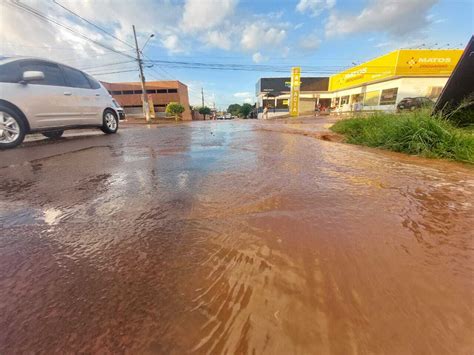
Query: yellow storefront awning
(412, 62)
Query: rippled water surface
(230, 238)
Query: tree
(175, 109)
(234, 109)
(245, 110)
(204, 111)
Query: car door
(49, 104)
(102, 98)
(85, 95)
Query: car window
(52, 73)
(76, 78)
(94, 83)
(10, 73)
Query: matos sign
(428, 62)
(401, 62)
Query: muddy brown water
(215, 238)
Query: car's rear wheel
(53, 134)
(110, 122)
(12, 128)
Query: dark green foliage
(204, 111)
(413, 133)
(234, 109)
(245, 110)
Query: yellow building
(378, 84)
(382, 82)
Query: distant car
(414, 103)
(38, 95)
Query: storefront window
(282, 103)
(389, 96)
(345, 100)
(270, 103)
(371, 98)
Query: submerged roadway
(232, 237)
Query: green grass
(414, 133)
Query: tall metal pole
(202, 96)
(142, 78)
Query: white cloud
(245, 97)
(24, 34)
(261, 35)
(383, 44)
(172, 43)
(258, 57)
(121, 15)
(206, 14)
(310, 42)
(218, 39)
(315, 7)
(395, 18)
(242, 94)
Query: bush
(175, 109)
(234, 109)
(204, 111)
(245, 110)
(412, 133)
(461, 115)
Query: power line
(92, 71)
(245, 67)
(92, 24)
(115, 72)
(38, 14)
(107, 65)
(164, 71)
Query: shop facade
(274, 93)
(377, 85)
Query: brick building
(129, 96)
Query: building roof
(165, 84)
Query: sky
(321, 36)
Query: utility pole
(142, 78)
(202, 96)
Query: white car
(38, 95)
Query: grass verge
(414, 133)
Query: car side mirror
(32, 75)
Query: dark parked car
(414, 103)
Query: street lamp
(151, 36)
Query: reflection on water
(220, 238)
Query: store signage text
(295, 91)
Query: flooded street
(233, 237)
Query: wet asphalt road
(232, 237)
